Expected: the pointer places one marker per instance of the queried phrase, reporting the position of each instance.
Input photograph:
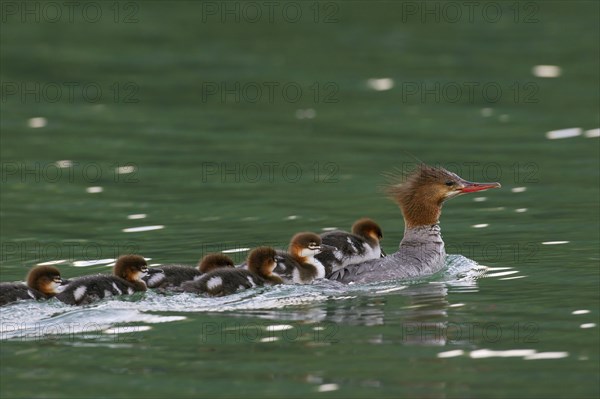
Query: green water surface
(178, 94)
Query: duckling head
(132, 268)
(304, 245)
(367, 228)
(46, 279)
(211, 262)
(262, 261)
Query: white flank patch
(546, 71)
(251, 280)
(296, 276)
(563, 133)
(117, 290)
(382, 84)
(592, 133)
(554, 242)
(37, 122)
(137, 216)
(79, 292)
(454, 353)
(143, 228)
(235, 250)
(328, 387)
(94, 190)
(214, 282)
(130, 290)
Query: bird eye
(449, 183)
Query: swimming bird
(299, 264)
(421, 251)
(127, 278)
(170, 276)
(359, 246)
(43, 282)
(228, 280)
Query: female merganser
(421, 250)
(228, 280)
(127, 278)
(356, 247)
(171, 276)
(299, 264)
(43, 282)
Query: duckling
(299, 265)
(359, 246)
(227, 280)
(172, 276)
(43, 282)
(127, 278)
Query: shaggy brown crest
(423, 192)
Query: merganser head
(262, 261)
(367, 228)
(211, 262)
(46, 279)
(305, 245)
(132, 268)
(422, 194)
